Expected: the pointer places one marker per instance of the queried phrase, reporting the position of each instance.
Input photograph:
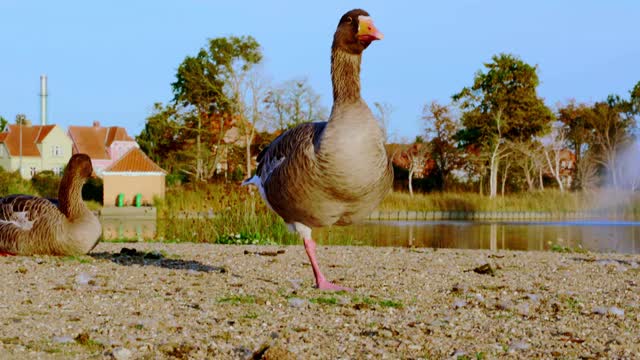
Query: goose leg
(310, 247)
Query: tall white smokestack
(43, 99)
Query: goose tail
(255, 180)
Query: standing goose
(32, 225)
(334, 172)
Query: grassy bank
(220, 198)
(241, 217)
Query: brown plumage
(32, 225)
(335, 172)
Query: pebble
(121, 353)
(83, 278)
(459, 303)
(297, 302)
(616, 311)
(62, 339)
(518, 345)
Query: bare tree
(610, 134)
(498, 151)
(553, 147)
(417, 154)
(293, 102)
(529, 158)
(248, 89)
(383, 115)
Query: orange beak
(366, 30)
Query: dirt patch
(193, 301)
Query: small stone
(599, 310)
(518, 345)
(615, 311)
(523, 309)
(62, 339)
(459, 303)
(83, 278)
(297, 302)
(121, 353)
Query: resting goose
(32, 225)
(334, 172)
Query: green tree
(163, 136)
(208, 83)
(502, 105)
(3, 123)
(635, 99)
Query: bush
(13, 183)
(93, 190)
(46, 183)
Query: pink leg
(321, 281)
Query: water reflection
(600, 236)
(595, 236)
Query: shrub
(93, 190)
(46, 183)
(13, 183)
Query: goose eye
(349, 19)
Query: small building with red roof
(132, 175)
(104, 145)
(34, 148)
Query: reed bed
(230, 214)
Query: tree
(529, 158)
(635, 99)
(160, 137)
(610, 134)
(502, 105)
(207, 82)
(417, 156)
(553, 148)
(21, 119)
(3, 123)
(383, 115)
(578, 131)
(441, 129)
(294, 102)
(249, 90)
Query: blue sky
(112, 60)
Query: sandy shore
(208, 301)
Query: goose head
(79, 166)
(355, 32)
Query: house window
(56, 150)
(34, 171)
(57, 170)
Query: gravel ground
(193, 301)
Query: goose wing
(22, 211)
(291, 146)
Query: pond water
(599, 236)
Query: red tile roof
(134, 161)
(94, 140)
(31, 137)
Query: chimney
(96, 123)
(43, 99)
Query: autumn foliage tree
(441, 129)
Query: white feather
(20, 219)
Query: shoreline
(226, 301)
